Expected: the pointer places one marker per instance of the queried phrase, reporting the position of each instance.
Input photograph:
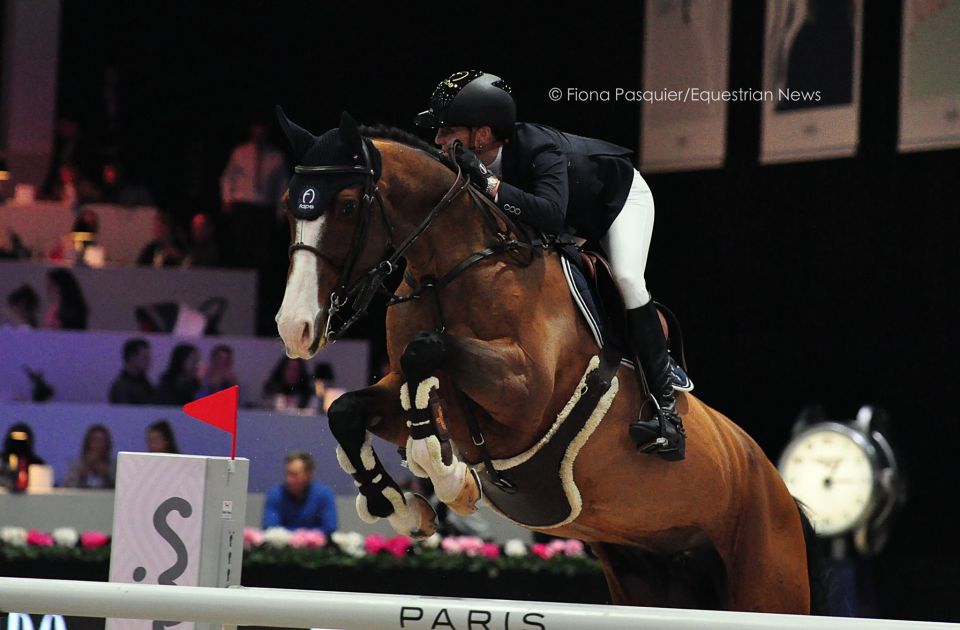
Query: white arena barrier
(363, 611)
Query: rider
(562, 183)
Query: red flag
(219, 410)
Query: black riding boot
(663, 434)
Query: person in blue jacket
(561, 183)
(299, 502)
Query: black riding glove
(471, 165)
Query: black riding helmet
(471, 98)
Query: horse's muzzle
(302, 336)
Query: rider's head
(473, 107)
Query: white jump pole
(239, 606)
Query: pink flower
(398, 546)
(252, 537)
(39, 539)
(490, 551)
(451, 545)
(93, 540)
(542, 550)
(307, 538)
(471, 545)
(375, 543)
(556, 546)
(573, 547)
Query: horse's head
(330, 203)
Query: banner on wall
(685, 67)
(929, 79)
(811, 79)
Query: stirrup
(649, 435)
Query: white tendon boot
(454, 483)
(412, 515)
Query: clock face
(831, 474)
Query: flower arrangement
(17, 543)
(313, 550)
(378, 552)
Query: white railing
(364, 611)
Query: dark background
(830, 282)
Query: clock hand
(845, 480)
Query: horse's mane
(386, 132)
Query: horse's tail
(822, 581)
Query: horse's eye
(349, 207)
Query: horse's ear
(299, 138)
(350, 133)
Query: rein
(371, 281)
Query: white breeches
(627, 243)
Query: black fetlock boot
(662, 434)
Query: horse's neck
(457, 231)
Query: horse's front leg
(429, 451)
(353, 417)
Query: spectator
(116, 189)
(71, 188)
(220, 373)
(289, 385)
(96, 467)
(19, 444)
(324, 391)
(69, 150)
(300, 502)
(23, 304)
(250, 190)
(132, 387)
(180, 382)
(160, 438)
(203, 250)
(164, 250)
(68, 309)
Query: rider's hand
(478, 173)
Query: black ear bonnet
(312, 193)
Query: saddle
(601, 303)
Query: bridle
(370, 282)
(342, 294)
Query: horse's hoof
(466, 502)
(419, 521)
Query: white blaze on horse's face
(300, 319)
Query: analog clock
(828, 468)
(845, 475)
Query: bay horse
(484, 339)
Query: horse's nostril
(306, 336)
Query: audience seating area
(114, 293)
(81, 365)
(263, 437)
